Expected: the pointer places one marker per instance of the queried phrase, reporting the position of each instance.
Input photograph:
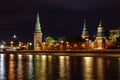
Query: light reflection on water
(119, 68)
(100, 68)
(20, 67)
(64, 71)
(47, 67)
(11, 68)
(2, 67)
(30, 67)
(87, 65)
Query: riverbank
(82, 53)
(63, 51)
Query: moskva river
(48, 67)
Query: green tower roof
(101, 32)
(100, 24)
(84, 26)
(37, 26)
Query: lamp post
(30, 45)
(67, 45)
(11, 43)
(87, 42)
(61, 45)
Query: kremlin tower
(100, 39)
(84, 32)
(37, 35)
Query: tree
(61, 39)
(75, 38)
(49, 40)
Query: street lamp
(61, 46)
(30, 45)
(11, 43)
(87, 41)
(62, 42)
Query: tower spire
(37, 26)
(100, 24)
(84, 26)
(100, 29)
(84, 32)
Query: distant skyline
(57, 18)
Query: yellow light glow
(88, 68)
(19, 56)
(83, 45)
(30, 57)
(100, 68)
(43, 57)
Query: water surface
(47, 67)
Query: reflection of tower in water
(64, 68)
(20, 67)
(119, 68)
(88, 68)
(100, 68)
(11, 73)
(2, 67)
(43, 67)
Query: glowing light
(83, 45)
(30, 57)
(19, 56)
(44, 57)
(37, 57)
(2, 46)
(61, 57)
(11, 56)
(49, 58)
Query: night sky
(57, 17)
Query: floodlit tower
(37, 34)
(100, 39)
(85, 32)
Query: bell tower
(37, 34)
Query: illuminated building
(37, 35)
(84, 32)
(100, 39)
